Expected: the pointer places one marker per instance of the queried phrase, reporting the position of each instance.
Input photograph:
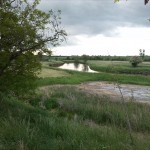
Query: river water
(77, 67)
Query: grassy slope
(70, 119)
(79, 77)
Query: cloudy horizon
(102, 27)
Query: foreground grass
(66, 118)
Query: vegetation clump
(22, 33)
(135, 60)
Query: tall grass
(102, 110)
(78, 121)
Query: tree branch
(146, 1)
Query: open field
(45, 72)
(74, 77)
(120, 67)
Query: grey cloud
(99, 16)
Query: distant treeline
(87, 57)
(102, 58)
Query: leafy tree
(142, 53)
(24, 29)
(135, 60)
(85, 58)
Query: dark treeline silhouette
(94, 57)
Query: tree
(142, 53)
(135, 60)
(24, 29)
(85, 58)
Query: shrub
(51, 104)
(135, 60)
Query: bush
(51, 104)
(135, 60)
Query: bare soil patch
(136, 93)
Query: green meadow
(108, 71)
(120, 67)
(59, 116)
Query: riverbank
(134, 93)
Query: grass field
(61, 117)
(47, 72)
(120, 67)
(74, 77)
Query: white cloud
(102, 27)
(127, 42)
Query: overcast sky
(102, 27)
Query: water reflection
(85, 68)
(77, 67)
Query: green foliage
(55, 63)
(76, 59)
(47, 103)
(135, 60)
(22, 33)
(142, 53)
(85, 58)
(51, 103)
(20, 77)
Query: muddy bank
(130, 92)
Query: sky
(102, 27)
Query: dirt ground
(130, 92)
